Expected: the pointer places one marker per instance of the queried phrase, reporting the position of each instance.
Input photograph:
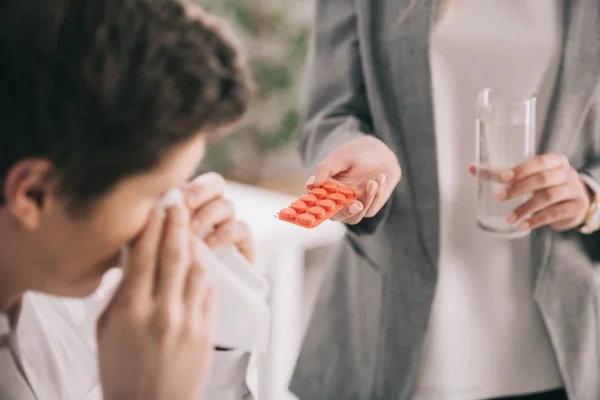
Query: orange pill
(318, 212)
(327, 205)
(338, 198)
(309, 199)
(306, 220)
(330, 187)
(349, 193)
(288, 214)
(299, 207)
(319, 193)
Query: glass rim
(486, 97)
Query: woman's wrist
(591, 222)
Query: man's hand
(213, 216)
(559, 198)
(367, 165)
(154, 339)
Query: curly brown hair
(105, 88)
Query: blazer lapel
(578, 79)
(413, 92)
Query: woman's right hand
(154, 339)
(366, 164)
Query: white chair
(280, 251)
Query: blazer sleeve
(592, 170)
(336, 104)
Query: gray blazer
(369, 72)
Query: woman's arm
(337, 109)
(336, 104)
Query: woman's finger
(368, 197)
(538, 164)
(541, 199)
(337, 162)
(551, 215)
(351, 210)
(564, 225)
(542, 180)
(493, 174)
(386, 188)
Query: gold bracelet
(591, 209)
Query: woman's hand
(366, 164)
(213, 216)
(559, 198)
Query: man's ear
(27, 189)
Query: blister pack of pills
(317, 206)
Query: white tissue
(241, 314)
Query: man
(104, 106)
(57, 338)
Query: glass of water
(505, 139)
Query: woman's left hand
(559, 198)
(213, 216)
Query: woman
(421, 304)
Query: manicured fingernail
(382, 178)
(524, 225)
(311, 180)
(512, 218)
(371, 188)
(501, 195)
(507, 176)
(355, 208)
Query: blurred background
(274, 35)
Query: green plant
(275, 42)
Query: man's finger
(538, 164)
(208, 217)
(142, 260)
(175, 255)
(204, 189)
(233, 233)
(337, 162)
(196, 287)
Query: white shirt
(13, 382)
(486, 337)
(57, 344)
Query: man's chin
(90, 285)
(84, 288)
